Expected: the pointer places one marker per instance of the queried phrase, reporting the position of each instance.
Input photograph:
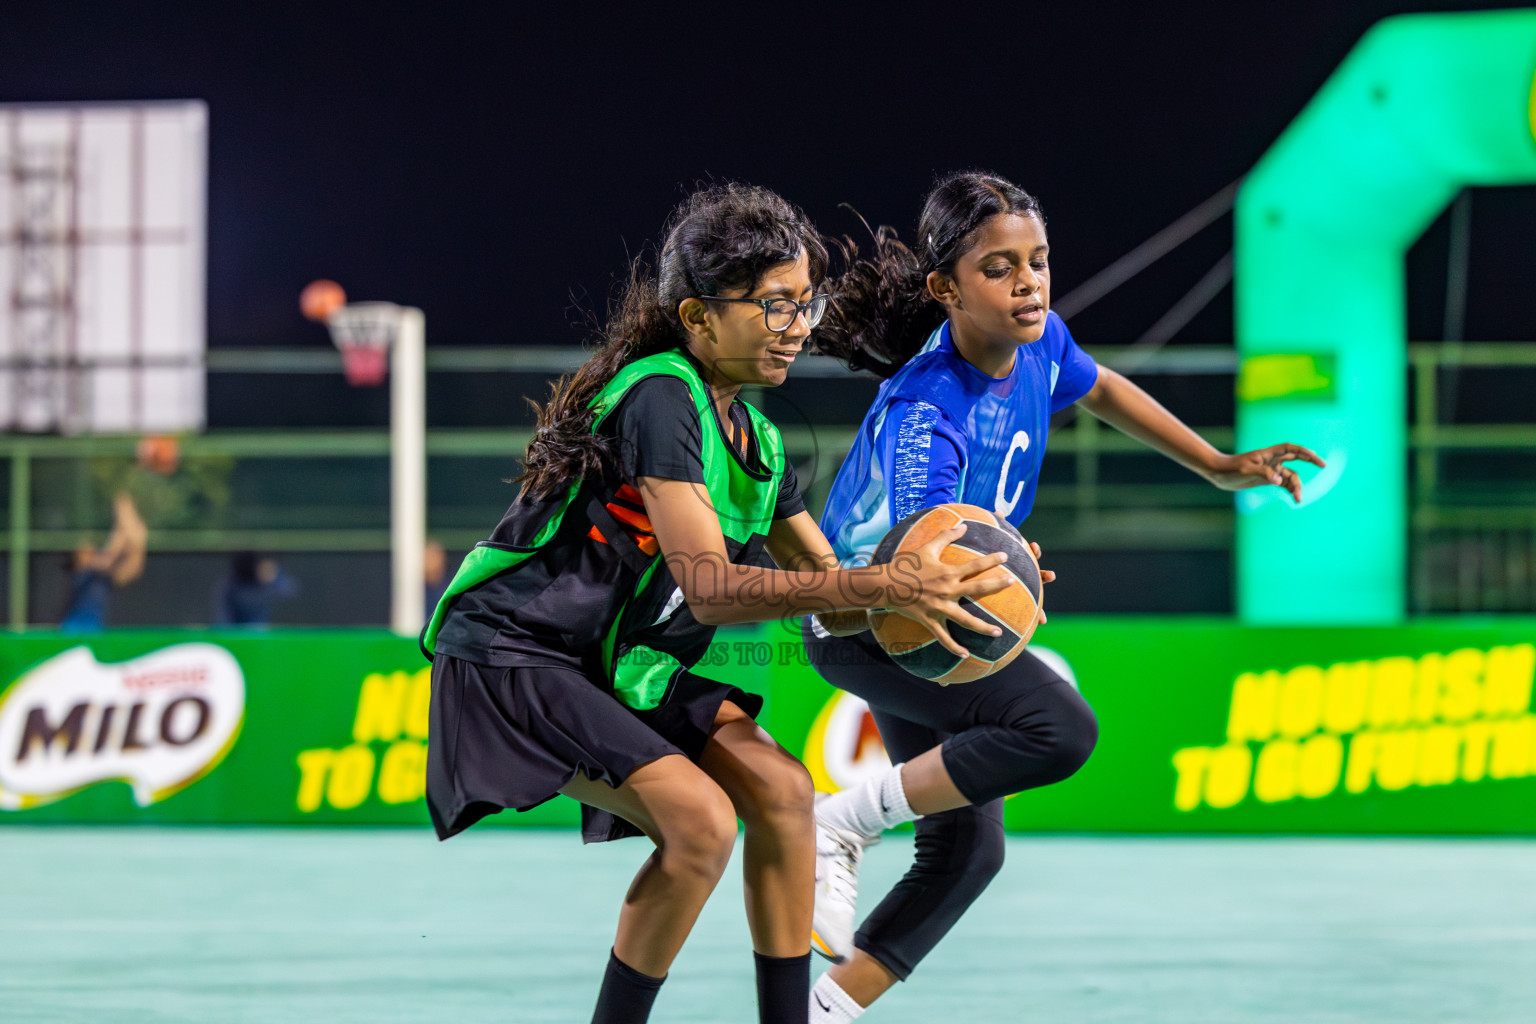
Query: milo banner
(280, 727)
(1205, 726)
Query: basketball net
(364, 332)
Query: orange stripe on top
(644, 541)
(639, 520)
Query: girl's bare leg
(772, 794)
(863, 977)
(692, 823)
(928, 786)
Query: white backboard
(103, 212)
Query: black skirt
(511, 737)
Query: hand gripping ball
(1015, 608)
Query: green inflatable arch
(1424, 106)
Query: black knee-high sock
(626, 995)
(783, 988)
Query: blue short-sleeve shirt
(940, 430)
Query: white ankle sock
(830, 1004)
(869, 808)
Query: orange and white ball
(1015, 608)
(321, 298)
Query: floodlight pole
(407, 471)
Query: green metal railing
(327, 490)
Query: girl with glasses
(960, 324)
(653, 508)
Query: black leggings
(1017, 729)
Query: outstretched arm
(797, 544)
(1129, 409)
(124, 552)
(719, 591)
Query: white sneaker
(838, 854)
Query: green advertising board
(1205, 726)
(324, 726)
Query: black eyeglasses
(780, 314)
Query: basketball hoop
(364, 332)
(378, 340)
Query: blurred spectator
(434, 575)
(245, 596)
(95, 573)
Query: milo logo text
(159, 722)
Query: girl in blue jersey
(654, 507)
(976, 363)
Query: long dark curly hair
(721, 237)
(881, 311)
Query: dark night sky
(489, 161)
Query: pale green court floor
(216, 925)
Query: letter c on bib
(1005, 506)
